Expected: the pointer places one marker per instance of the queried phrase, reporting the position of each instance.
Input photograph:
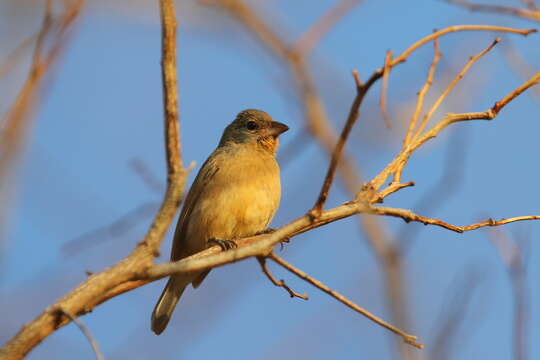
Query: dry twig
(278, 283)
(450, 87)
(409, 339)
(361, 91)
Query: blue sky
(104, 108)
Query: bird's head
(254, 127)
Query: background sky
(103, 109)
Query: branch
(408, 216)
(449, 119)
(409, 339)
(170, 88)
(336, 154)
(17, 121)
(86, 333)
(450, 87)
(531, 13)
(96, 288)
(278, 283)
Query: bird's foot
(223, 244)
(269, 231)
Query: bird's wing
(204, 177)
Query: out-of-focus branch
(532, 13)
(315, 114)
(409, 339)
(449, 325)
(13, 58)
(384, 89)
(86, 333)
(310, 38)
(90, 293)
(17, 121)
(519, 65)
(512, 257)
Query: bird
(235, 194)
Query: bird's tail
(167, 302)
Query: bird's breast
(241, 198)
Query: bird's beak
(277, 128)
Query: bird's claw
(223, 244)
(269, 231)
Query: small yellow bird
(235, 194)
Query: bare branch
(278, 283)
(336, 154)
(437, 34)
(409, 339)
(422, 94)
(408, 215)
(170, 87)
(449, 119)
(450, 87)
(86, 333)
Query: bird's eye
(252, 125)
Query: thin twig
(384, 89)
(434, 198)
(409, 339)
(278, 283)
(422, 93)
(336, 154)
(451, 86)
(530, 13)
(408, 215)
(437, 34)
(86, 333)
(449, 119)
